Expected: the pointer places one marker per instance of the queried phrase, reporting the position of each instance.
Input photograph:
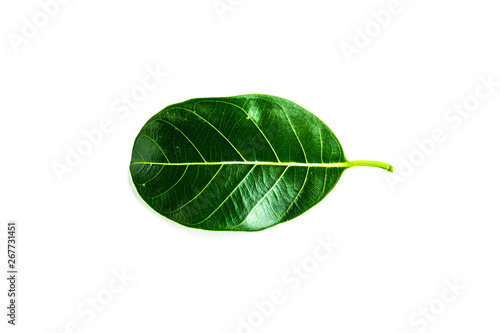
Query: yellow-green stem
(376, 164)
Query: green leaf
(242, 163)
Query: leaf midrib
(284, 164)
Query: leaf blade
(242, 163)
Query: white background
(398, 245)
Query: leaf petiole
(376, 164)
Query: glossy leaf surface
(242, 163)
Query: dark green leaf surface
(242, 163)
